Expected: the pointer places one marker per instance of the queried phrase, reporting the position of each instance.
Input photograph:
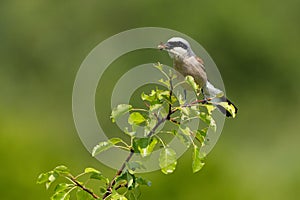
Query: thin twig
(78, 184)
(119, 172)
(174, 121)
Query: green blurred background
(255, 44)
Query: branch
(200, 101)
(119, 172)
(78, 184)
(159, 122)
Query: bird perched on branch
(188, 64)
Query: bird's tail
(231, 112)
(219, 100)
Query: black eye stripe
(178, 44)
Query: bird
(187, 63)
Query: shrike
(187, 63)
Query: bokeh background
(255, 44)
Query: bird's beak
(162, 46)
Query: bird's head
(178, 48)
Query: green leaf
(91, 170)
(190, 80)
(151, 98)
(159, 66)
(194, 110)
(165, 82)
(103, 190)
(149, 149)
(43, 178)
(115, 140)
(164, 110)
(184, 139)
(197, 159)
(173, 99)
(181, 100)
(133, 194)
(103, 146)
(143, 181)
(201, 134)
(119, 111)
(48, 178)
(150, 124)
(144, 146)
(127, 178)
(157, 97)
(83, 195)
(63, 195)
(62, 187)
(95, 174)
(136, 118)
(130, 133)
(116, 196)
(62, 170)
(167, 160)
(185, 111)
(99, 177)
(209, 108)
(172, 75)
(133, 165)
(186, 131)
(163, 94)
(52, 176)
(155, 107)
(206, 118)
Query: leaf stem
(139, 109)
(179, 83)
(122, 147)
(161, 141)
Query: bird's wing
(199, 60)
(196, 69)
(196, 62)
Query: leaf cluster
(162, 106)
